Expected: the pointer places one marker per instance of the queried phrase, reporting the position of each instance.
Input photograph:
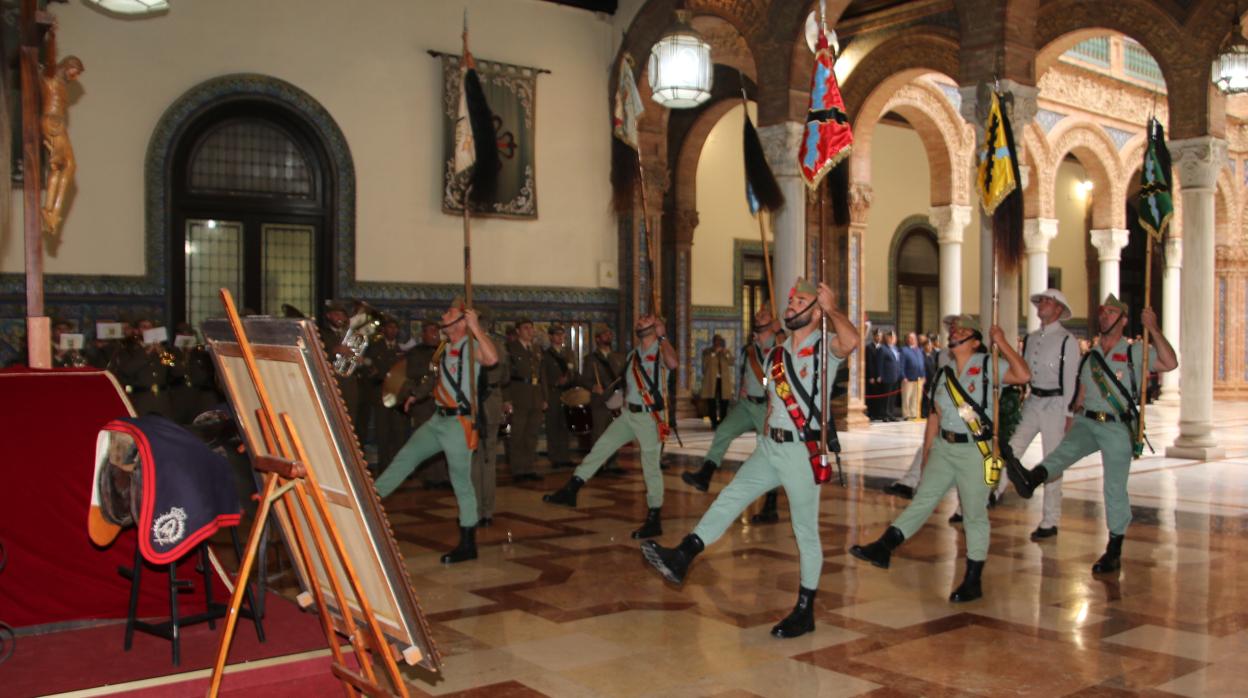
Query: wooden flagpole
(38, 325)
(1148, 280)
(762, 234)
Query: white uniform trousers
(1045, 416)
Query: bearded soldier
(1110, 378)
(786, 451)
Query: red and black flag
(828, 139)
(476, 150)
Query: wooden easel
(287, 478)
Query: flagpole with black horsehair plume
(476, 163)
(762, 192)
(1001, 197)
(826, 145)
(1155, 209)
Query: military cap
(556, 328)
(802, 285)
(601, 328)
(1057, 296)
(968, 322)
(523, 321)
(338, 305)
(1111, 301)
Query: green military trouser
(443, 434)
(949, 465)
(1113, 440)
(627, 427)
(773, 464)
(484, 472)
(743, 416)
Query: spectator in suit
(912, 377)
(888, 363)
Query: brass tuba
(361, 329)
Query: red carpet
(75, 659)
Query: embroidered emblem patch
(803, 372)
(1119, 357)
(168, 528)
(973, 371)
(971, 388)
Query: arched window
(249, 212)
(918, 283)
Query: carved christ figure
(61, 165)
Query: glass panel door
(288, 268)
(214, 260)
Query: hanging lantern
(1230, 68)
(680, 66)
(130, 7)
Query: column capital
(684, 221)
(950, 222)
(1198, 160)
(1038, 233)
(1173, 252)
(974, 108)
(1109, 242)
(860, 196)
(781, 143)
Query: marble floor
(560, 602)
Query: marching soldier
(379, 358)
(525, 400)
(485, 458)
(558, 374)
(142, 373)
(333, 331)
(419, 384)
(450, 429)
(603, 376)
(955, 445)
(1052, 354)
(904, 486)
(1106, 414)
(785, 451)
(750, 410)
(645, 375)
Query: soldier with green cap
(451, 429)
(525, 400)
(558, 375)
(955, 445)
(785, 451)
(1110, 380)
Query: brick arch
(1223, 206)
(947, 139)
(1184, 64)
(1094, 149)
(920, 49)
(789, 62)
(686, 179)
(1037, 154)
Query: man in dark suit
(872, 377)
(888, 362)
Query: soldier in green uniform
(142, 373)
(451, 429)
(485, 458)
(784, 453)
(1110, 380)
(603, 376)
(390, 428)
(525, 400)
(558, 374)
(645, 375)
(333, 331)
(750, 409)
(958, 435)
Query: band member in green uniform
(558, 375)
(645, 374)
(525, 400)
(603, 376)
(450, 429)
(955, 444)
(1110, 380)
(750, 409)
(786, 447)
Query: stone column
(1037, 234)
(684, 222)
(1198, 160)
(780, 143)
(950, 223)
(1109, 243)
(1170, 310)
(860, 197)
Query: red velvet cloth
(50, 422)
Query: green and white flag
(1156, 204)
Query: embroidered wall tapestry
(511, 92)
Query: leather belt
(1045, 392)
(954, 437)
(1103, 416)
(784, 436)
(452, 411)
(641, 408)
(757, 400)
(132, 389)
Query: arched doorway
(249, 210)
(917, 261)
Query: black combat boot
(673, 563)
(467, 548)
(801, 620)
(879, 552)
(769, 514)
(651, 527)
(969, 589)
(701, 480)
(1025, 481)
(1111, 561)
(565, 495)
